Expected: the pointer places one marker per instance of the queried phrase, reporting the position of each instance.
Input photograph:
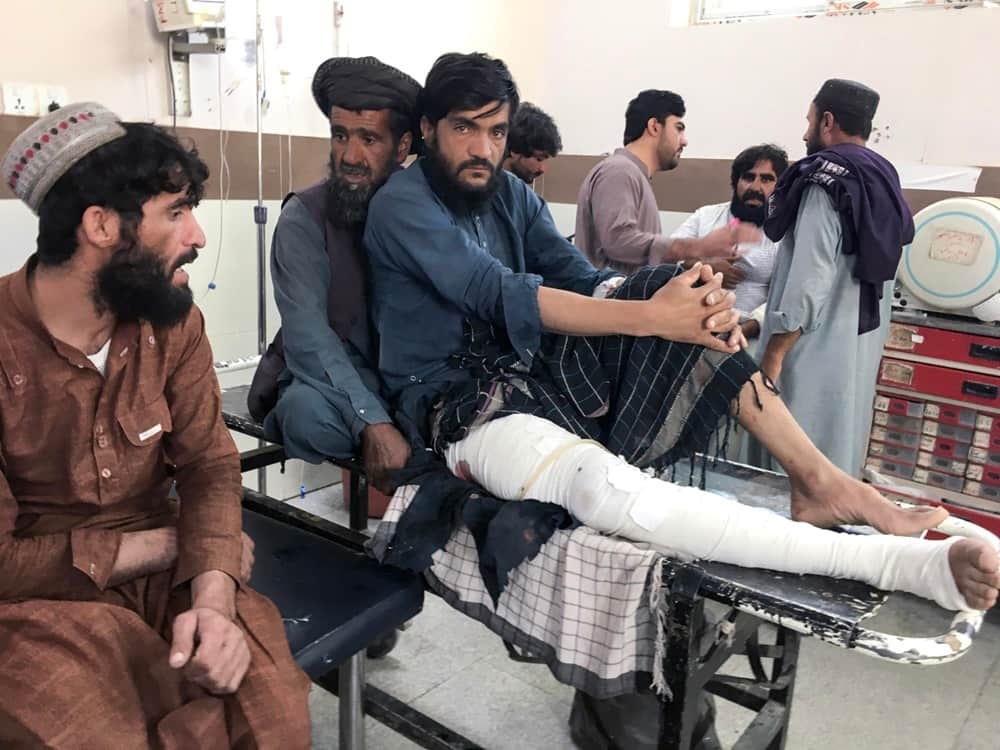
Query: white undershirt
(100, 358)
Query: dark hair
(650, 103)
(460, 82)
(850, 122)
(399, 124)
(121, 175)
(764, 152)
(533, 130)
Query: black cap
(838, 95)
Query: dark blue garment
(339, 370)
(875, 220)
(652, 401)
(434, 267)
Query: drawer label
(901, 337)
(897, 372)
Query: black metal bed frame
(768, 693)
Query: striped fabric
(585, 604)
(649, 400)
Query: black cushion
(334, 601)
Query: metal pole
(260, 219)
(351, 694)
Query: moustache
(480, 163)
(189, 257)
(751, 195)
(357, 170)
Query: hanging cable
(224, 182)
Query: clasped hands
(703, 315)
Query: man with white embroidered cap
(123, 612)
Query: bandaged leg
(525, 456)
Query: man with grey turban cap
(317, 390)
(125, 603)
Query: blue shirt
(342, 370)
(432, 268)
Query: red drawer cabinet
(941, 463)
(950, 346)
(948, 414)
(895, 437)
(942, 446)
(939, 400)
(896, 422)
(933, 380)
(899, 406)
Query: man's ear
(403, 147)
(653, 126)
(827, 123)
(100, 227)
(426, 129)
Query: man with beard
(531, 375)
(617, 219)
(753, 176)
(124, 614)
(330, 393)
(534, 139)
(842, 221)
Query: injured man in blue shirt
(534, 376)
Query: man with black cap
(318, 389)
(842, 222)
(125, 618)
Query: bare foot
(838, 499)
(976, 568)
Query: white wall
(937, 71)
(110, 51)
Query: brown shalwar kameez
(83, 459)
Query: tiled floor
(454, 670)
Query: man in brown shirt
(617, 219)
(124, 621)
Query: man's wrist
(645, 321)
(374, 429)
(214, 589)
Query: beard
(670, 162)
(522, 172)
(751, 214)
(813, 143)
(136, 285)
(455, 194)
(347, 202)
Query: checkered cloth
(587, 605)
(584, 603)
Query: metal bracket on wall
(180, 46)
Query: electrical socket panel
(20, 99)
(51, 97)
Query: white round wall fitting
(954, 260)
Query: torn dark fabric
(875, 219)
(506, 533)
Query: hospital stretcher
(766, 613)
